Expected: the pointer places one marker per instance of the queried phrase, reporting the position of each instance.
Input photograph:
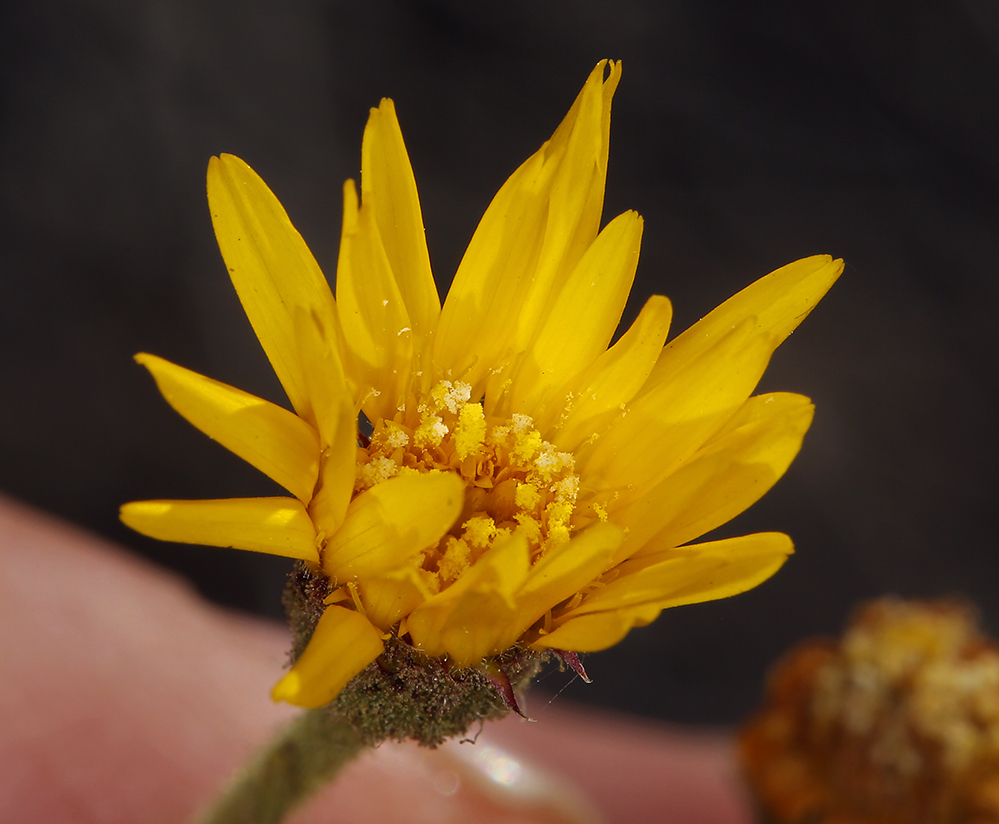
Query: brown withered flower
(897, 722)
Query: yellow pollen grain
(558, 534)
(451, 396)
(527, 445)
(498, 435)
(392, 436)
(431, 582)
(378, 470)
(471, 430)
(479, 531)
(455, 560)
(557, 515)
(528, 527)
(527, 496)
(558, 512)
(601, 512)
(570, 402)
(430, 432)
(567, 489)
(439, 393)
(549, 462)
(521, 423)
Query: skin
(126, 698)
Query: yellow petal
(478, 624)
(561, 573)
(277, 279)
(391, 522)
(729, 474)
(582, 407)
(778, 302)
(343, 644)
(277, 526)
(387, 182)
(531, 237)
(277, 442)
(468, 620)
(711, 571)
(387, 598)
(590, 633)
(664, 427)
(377, 330)
(337, 421)
(328, 507)
(690, 575)
(585, 313)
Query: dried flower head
(895, 723)
(518, 486)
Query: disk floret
(515, 480)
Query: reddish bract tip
(572, 659)
(501, 682)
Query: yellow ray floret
(724, 477)
(343, 644)
(531, 237)
(277, 526)
(391, 522)
(260, 247)
(702, 573)
(519, 484)
(277, 442)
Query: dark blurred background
(747, 134)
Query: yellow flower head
(516, 483)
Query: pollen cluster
(515, 480)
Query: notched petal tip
(228, 166)
(607, 70)
(386, 106)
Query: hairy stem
(298, 762)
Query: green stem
(300, 761)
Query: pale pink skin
(126, 698)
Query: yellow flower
(522, 485)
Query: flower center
(515, 481)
